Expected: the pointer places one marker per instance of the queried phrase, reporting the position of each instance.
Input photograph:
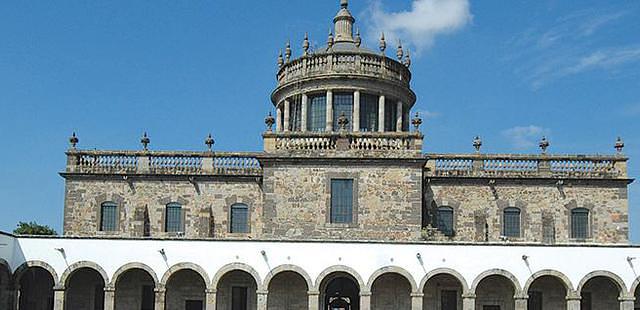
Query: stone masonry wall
(141, 206)
(545, 209)
(387, 204)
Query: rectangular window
(317, 113)
(342, 103)
(193, 305)
(368, 113)
(173, 220)
(511, 222)
(580, 223)
(449, 300)
(390, 115)
(238, 298)
(445, 220)
(240, 218)
(341, 201)
(295, 113)
(109, 217)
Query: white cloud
(525, 137)
(420, 25)
(605, 59)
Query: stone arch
(236, 266)
(34, 263)
(447, 271)
(392, 269)
(130, 266)
(79, 265)
(292, 268)
(497, 272)
(189, 266)
(552, 273)
(4, 267)
(622, 288)
(340, 268)
(634, 287)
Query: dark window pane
(579, 223)
(342, 103)
(511, 222)
(317, 113)
(368, 113)
(238, 298)
(239, 218)
(173, 218)
(341, 201)
(295, 113)
(390, 115)
(108, 216)
(445, 220)
(449, 300)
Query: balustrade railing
(172, 163)
(399, 142)
(541, 166)
(353, 63)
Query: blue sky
(510, 71)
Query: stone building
(341, 210)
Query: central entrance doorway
(340, 291)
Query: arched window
(239, 218)
(445, 220)
(173, 218)
(511, 222)
(108, 216)
(579, 223)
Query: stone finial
(269, 121)
(280, 60)
(287, 51)
(477, 143)
(619, 146)
(343, 121)
(416, 122)
(383, 43)
(544, 144)
(358, 40)
(73, 140)
(305, 43)
(330, 40)
(407, 60)
(209, 142)
(145, 141)
(344, 4)
(400, 51)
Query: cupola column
(286, 114)
(303, 121)
(381, 102)
(278, 118)
(329, 110)
(399, 117)
(356, 111)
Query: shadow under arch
(232, 267)
(340, 268)
(17, 275)
(445, 271)
(551, 273)
(497, 272)
(66, 275)
(186, 266)
(130, 266)
(622, 288)
(291, 268)
(392, 269)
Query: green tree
(33, 228)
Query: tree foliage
(33, 228)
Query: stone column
(314, 300)
(329, 110)
(210, 299)
(416, 301)
(521, 302)
(365, 300)
(58, 298)
(399, 117)
(381, 101)
(356, 111)
(278, 118)
(304, 108)
(160, 295)
(262, 300)
(468, 301)
(573, 301)
(286, 114)
(109, 298)
(627, 303)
